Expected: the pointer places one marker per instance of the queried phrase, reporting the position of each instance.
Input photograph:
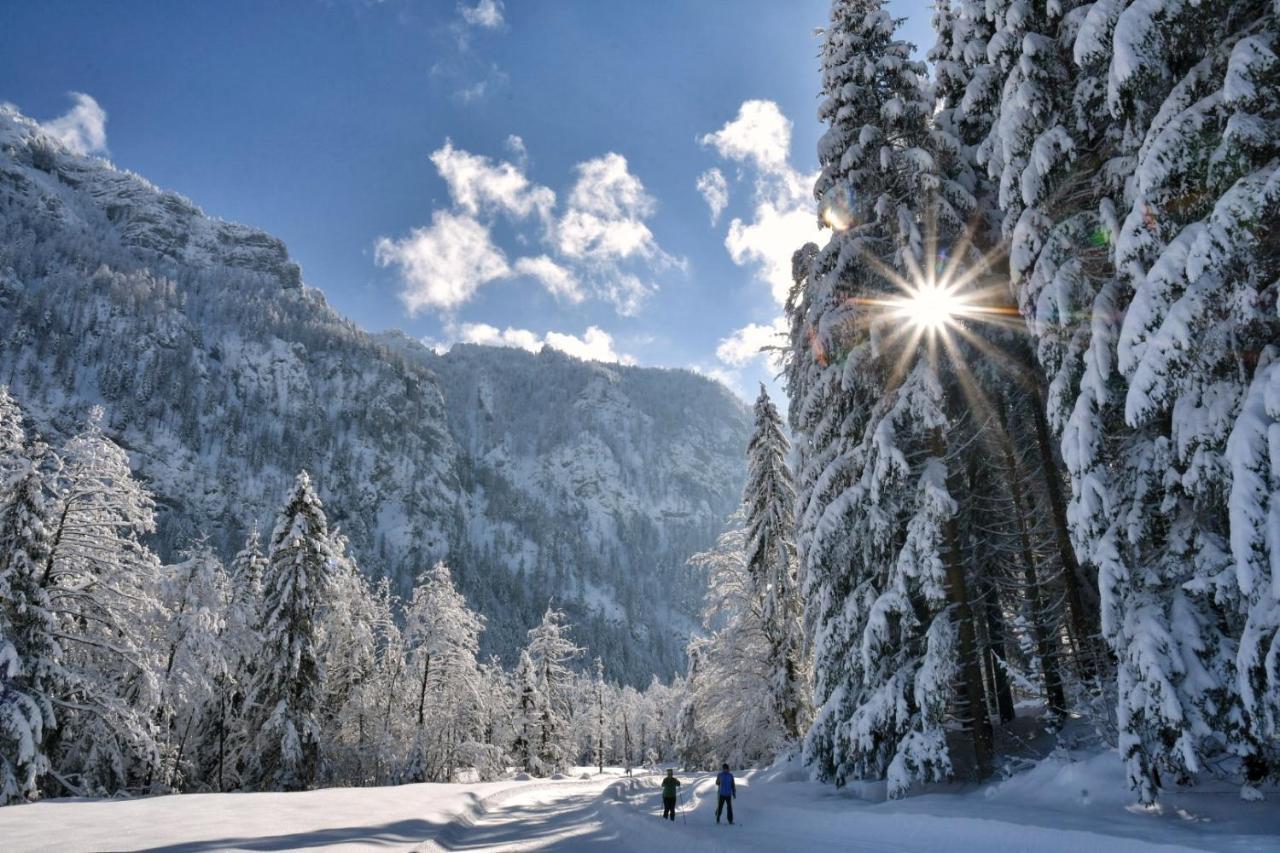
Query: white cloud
(585, 235)
(731, 379)
(478, 185)
(483, 333)
(760, 134)
(515, 145)
(442, 265)
(594, 345)
(486, 14)
(750, 342)
(784, 216)
(607, 208)
(627, 292)
(769, 241)
(473, 92)
(715, 190)
(83, 128)
(559, 281)
(606, 187)
(599, 246)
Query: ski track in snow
(605, 812)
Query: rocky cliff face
(535, 475)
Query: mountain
(536, 476)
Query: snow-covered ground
(1067, 807)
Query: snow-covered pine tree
(282, 721)
(1137, 188)
(13, 439)
(31, 675)
(979, 44)
(875, 531)
(248, 568)
(550, 651)
(769, 507)
(1178, 534)
(384, 719)
(497, 717)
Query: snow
(1058, 805)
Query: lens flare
(836, 208)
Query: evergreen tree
(31, 675)
(13, 440)
(1176, 483)
(877, 541)
(283, 706)
(769, 501)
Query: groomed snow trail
(618, 813)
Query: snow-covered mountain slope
(601, 478)
(223, 374)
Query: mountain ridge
(222, 373)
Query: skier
(669, 786)
(727, 790)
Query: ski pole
(684, 820)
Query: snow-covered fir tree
(350, 653)
(31, 676)
(876, 533)
(1177, 483)
(1131, 174)
(283, 704)
(13, 437)
(527, 714)
(769, 507)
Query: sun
(931, 306)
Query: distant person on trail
(669, 786)
(727, 791)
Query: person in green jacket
(669, 786)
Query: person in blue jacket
(727, 790)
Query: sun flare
(932, 307)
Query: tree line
(282, 670)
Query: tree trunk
(996, 656)
(971, 675)
(1039, 618)
(422, 693)
(993, 656)
(1084, 624)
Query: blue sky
(524, 172)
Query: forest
(1022, 498)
